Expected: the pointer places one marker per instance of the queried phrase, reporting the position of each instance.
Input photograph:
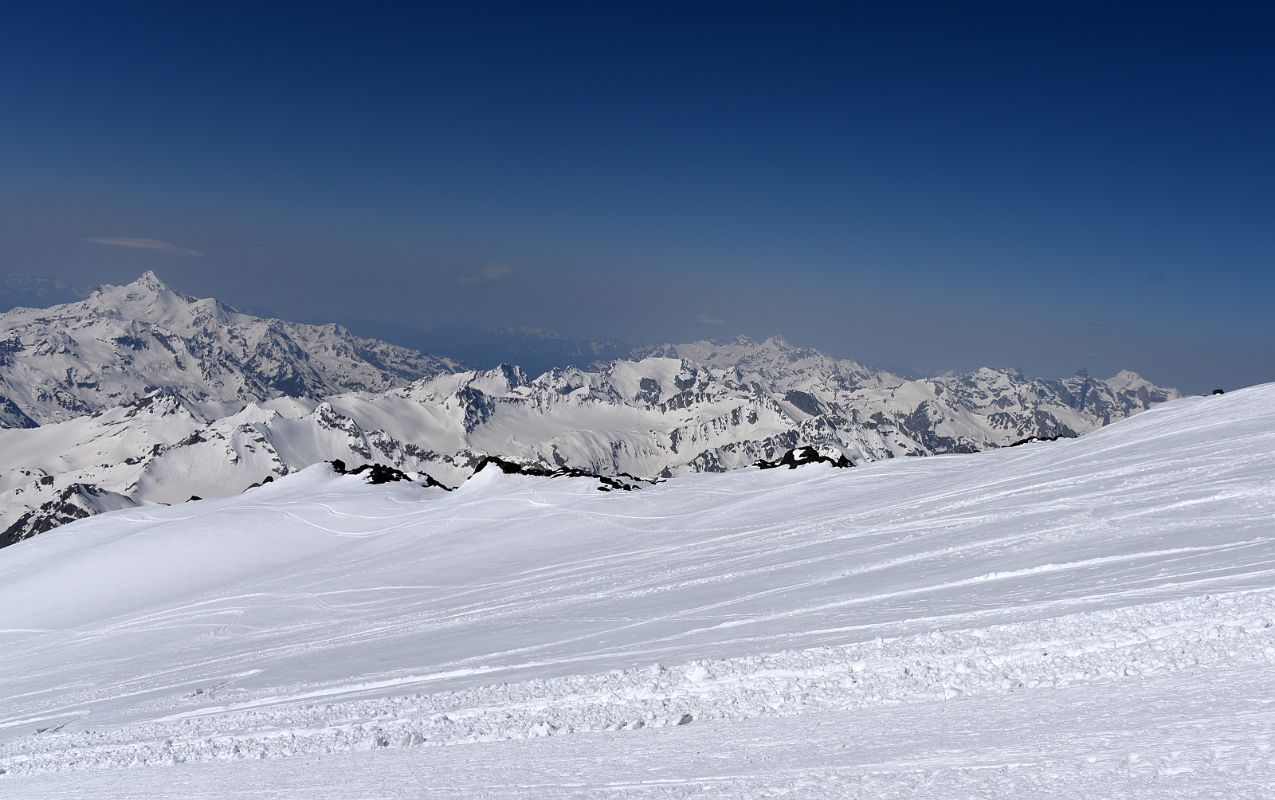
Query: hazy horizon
(538, 349)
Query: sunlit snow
(1091, 617)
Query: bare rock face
(606, 483)
(76, 501)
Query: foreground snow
(1089, 617)
(1208, 736)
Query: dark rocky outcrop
(11, 416)
(621, 481)
(801, 456)
(1035, 439)
(380, 473)
(76, 501)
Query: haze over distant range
(934, 188)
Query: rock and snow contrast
(145, 396)
(123, 342)
(1093, 617)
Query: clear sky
(935, 185)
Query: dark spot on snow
(804, 455)
(1034, 439)
(262, 482)
(607, 483)
(648, 390)
(804, 402)
(380, 473)
(131, 342)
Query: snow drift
(319, 614)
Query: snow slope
(1112, 596)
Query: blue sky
(929, 185)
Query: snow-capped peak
(224, 399)
(121, 342)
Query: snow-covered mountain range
(536, 349)
(1086, 618)
(147, 396)
(123, 342)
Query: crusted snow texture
(320, 614)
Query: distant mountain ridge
(18, 290)
(147, 396)
(536, 350)
(122, 342)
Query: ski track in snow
(1160, 639)
(319, 618)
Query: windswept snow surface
(1091, 617)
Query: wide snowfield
(1088, 618)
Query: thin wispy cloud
(488, 273)
(154, 245)
(706, 318)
